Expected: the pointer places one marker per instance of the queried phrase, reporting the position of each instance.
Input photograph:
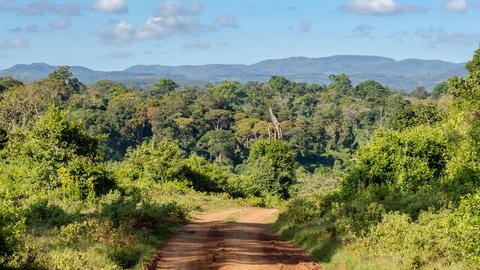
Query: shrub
(76, 232)
(41, 212)
(206, 176)
(152, 161)
(140, 214)
(84, 178)
(271, 167)
(407, 160)
(467, 231)
(12, 226)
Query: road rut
(231, 239)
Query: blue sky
(115, 34)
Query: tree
(21, 106)
(163, 86)
(63, 155)
(9, 83)
(61, 85)
(474, 64)
(370, 90)
(340, 83)
(224, 95)
(126, 122)
(219, 119)
(440, 90)
(280, 84)
(100, 93)
(414, 115)
(218, 144)
(271, 166)
(420, 93)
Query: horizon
(244, 64)
(116, 34)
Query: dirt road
(231, 239)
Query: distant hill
(405, 74)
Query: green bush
(134, 211)
(467, 231)
(206, 176)
(271, 167)
(73, 233)
(12, 227)
(407, 160)
(84, 178)
(40, 212)
(152, 161)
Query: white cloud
(15, 43)
(59, 24)
(305, 26)
(176, 8)
(171, 17)
(456, 5)
(41, 7)
(121, 33)
(378, 7)
(112, 6)
(160, 27)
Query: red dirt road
(237, 239)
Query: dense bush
(271, 167)
(153, 161)
(404, 160)
(411, 201)
(11, 230)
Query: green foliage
(7, 83)
(11, 230)
(84, 178)
(403, 196)
(61, 85)
(163, 86)
(137, 212)
(414, 115)
(41, 212)
(440, 90)
(271, 167)
(371, 90)
(402, 205)
(340, 83)
(405, 160)
(219, 144)
(206, 176)
(419, 93)
(54, 137)
(467, 230)
(474, 64)
(153, 162)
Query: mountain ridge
(405, 74)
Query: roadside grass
(120, 230)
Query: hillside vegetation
(95, 176)
(410, 201)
